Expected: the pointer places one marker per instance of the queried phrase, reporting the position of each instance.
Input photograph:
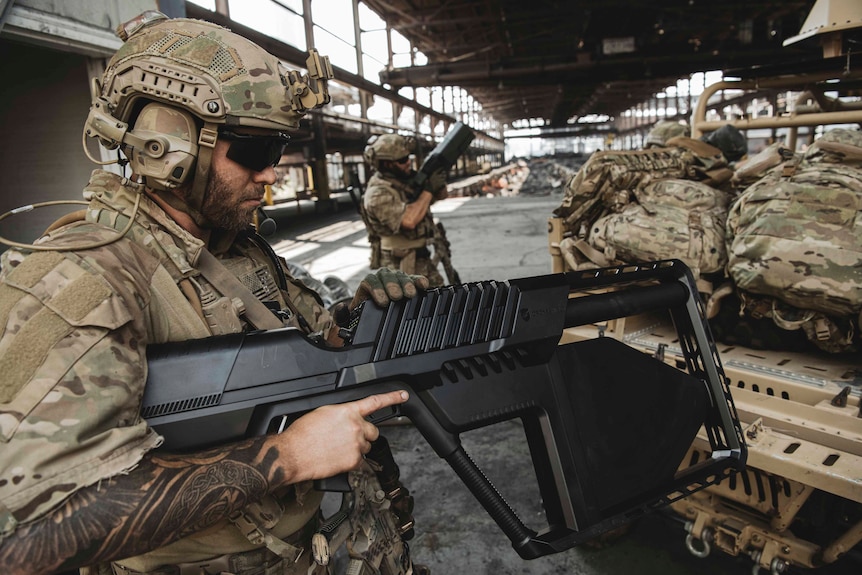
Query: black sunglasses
(255, 152)
(403, 160)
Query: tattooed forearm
(210, 496)
(165, 498)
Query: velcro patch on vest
(66, 297)
(34, 267)
(69, 290)
(9, 298)
(80, 297)
(28, 350)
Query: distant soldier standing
(400, 224)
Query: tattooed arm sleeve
(164, 499)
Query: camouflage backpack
(600, 201)
(671, 218)
(752, 169)
(795, 236)
(604, 181)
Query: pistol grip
(339, 483)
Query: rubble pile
(503, 181)
(540, 176)
(550, 175)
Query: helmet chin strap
(206, 144)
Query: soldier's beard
(223, 209)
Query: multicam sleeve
(74, 367)
(80, 480)
(385, 208)
(308, 304)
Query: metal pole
(5, 10)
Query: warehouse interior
(530, 79)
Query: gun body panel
(476, 354)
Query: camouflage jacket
(385, 199)
(74, 326)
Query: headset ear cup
(370, 157)
(162, 146)
(165, 167)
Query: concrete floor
(496, 238)
(492, 238)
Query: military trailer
(799, 501)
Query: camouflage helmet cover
(664, 131)
(388, 147)
(213, 73)
(219, 77)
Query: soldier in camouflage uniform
(200, 113)
(394, 215)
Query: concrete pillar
(318, 147)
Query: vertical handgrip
(449, 448)
(483, 490)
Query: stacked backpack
(611, 206)
(794, 240)
(781, 261)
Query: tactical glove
(436, 184)
(385, 285)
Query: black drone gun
(607, 426)
(444, 156)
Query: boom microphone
(266, 226)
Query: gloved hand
(436, 184)
(385, 285)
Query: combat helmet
(217, 78)
(387, 147)
(664, 131)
